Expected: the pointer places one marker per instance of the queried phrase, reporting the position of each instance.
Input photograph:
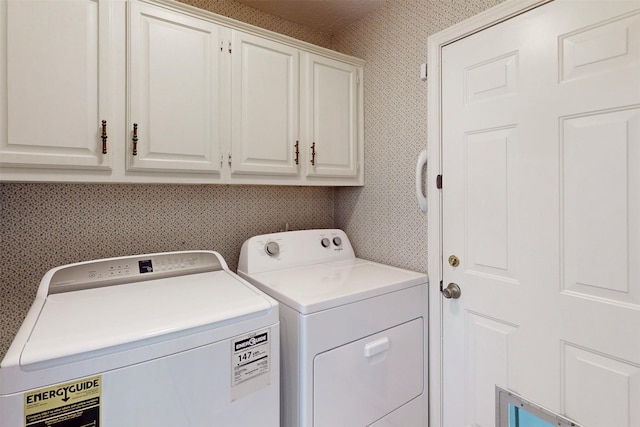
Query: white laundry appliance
(168, 339)
(353, 348)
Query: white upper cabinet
(55, 84)
(186, 96)
(174, 91)
(332, 108)
(264, 106)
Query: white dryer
(168, 339)
(353, 332)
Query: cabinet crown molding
(254, 30)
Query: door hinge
(229, 156)
(221, 45)
(229, 46)
(439, 182)
(221, 159)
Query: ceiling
(328, 16)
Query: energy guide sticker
(250, 363)
(72, 404)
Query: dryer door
(363, 381)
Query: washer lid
(79, 324)
(321, 286)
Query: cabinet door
(264, 111)
(174, 91)
(54, 81)
(331, 108)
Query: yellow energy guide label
(72, 404)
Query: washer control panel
(114, 271)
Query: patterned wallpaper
(382, 218)
(46, 225)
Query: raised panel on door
(264, 111)
(541, 200)
(331, 117)
(174, 91)
(54, 75)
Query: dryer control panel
(289, 249)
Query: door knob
(452, 291)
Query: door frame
(435, 43)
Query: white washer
(169, 339)
(353, 332)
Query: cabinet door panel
(264, 106)
(55, 90)
(331, 117)
(174, 91)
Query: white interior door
(541, 204)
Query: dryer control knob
(325, 242)
(337, 241)
(272, 249)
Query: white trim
(436, 42)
